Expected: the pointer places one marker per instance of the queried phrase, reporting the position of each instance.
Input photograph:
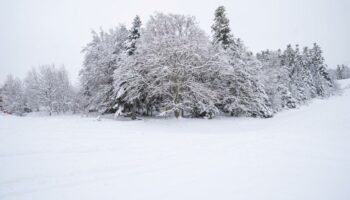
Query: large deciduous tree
(169, 72)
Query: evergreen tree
(241, 90)
(324, 83)
(302, 82)
(293, 62)
(221, 28)
(276, 80)
(307, 74)
(137, 103)
(134, 35)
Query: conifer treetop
(221, 28)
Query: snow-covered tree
(76, 103)
(221, 28)
(1, 99)
(65, 93)
(134, 35)
(170, 68)
(307, 76)
(276, 80)
(342, 72)
(13, 96)
(102, 55)
(302, 86)
(302, 76)
(49, 89)
(32, 84)
(242, 92)
(323, 82)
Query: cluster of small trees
(46, 89)
(293, 77)
(171, 67)
(341, 72)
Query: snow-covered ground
(298, 154)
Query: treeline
(295, 76)
(171, 67)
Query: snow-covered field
(298, 154)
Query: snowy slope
(298, 154)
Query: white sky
(36, 32)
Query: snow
(298, 154)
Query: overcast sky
(36, 32)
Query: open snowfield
(298, 154)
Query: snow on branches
(171, 67)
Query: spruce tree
(276, 80)
(221, 29)
(307, 73)
(324, 82)
(241, 90)
(134, 35)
